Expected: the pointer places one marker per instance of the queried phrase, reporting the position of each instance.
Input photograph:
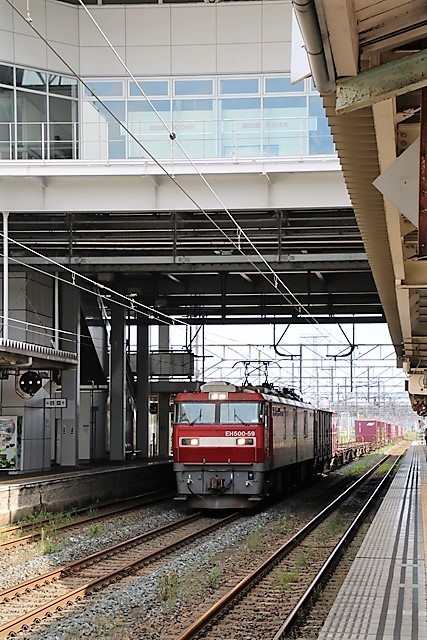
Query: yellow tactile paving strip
(384, 595)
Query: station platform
(384, 594)
(65, 489)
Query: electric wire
(150, 311)
(276, 279)
(133, 305)
(175, 140)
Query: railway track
(29, 602)
(29, 532)
(282, 586)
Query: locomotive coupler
(217, 485)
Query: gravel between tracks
(160, 601)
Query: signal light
(30, 382)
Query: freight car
(234, 446)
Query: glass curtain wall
(230, 117)
(38, 115)
(213, 118)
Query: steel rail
(57, 604)
(333, 559)
(263, 569)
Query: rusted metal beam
(382, 82)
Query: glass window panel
(105, 88)
(62, 129)
(239, 85)
(31, 109)
(240, 104)
(142, 106)
(28, 79)
(103, 136)
(150, 88)
(194, 87)
(282, 85)
(6, 74)
(146, 126)
(194, 122)
(285, 126)
(244, 413)
(241, 127)
(320, 138)
(116, 107)
(6, 126)
(195, 413)
(286, 103)
(6, 105)
(63, 85)
(192, 105)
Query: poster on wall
(10, 442)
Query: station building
(109, 113)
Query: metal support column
(143, 389)
(164, 444)
(70, 380)
(117, 384)
(5, 275)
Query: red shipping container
(369, 430)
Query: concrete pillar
(117, 384)
(163, 416)
(70, 380)
(143, 388)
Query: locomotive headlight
(244, 441)
(192, 442)
(217, 395)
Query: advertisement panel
(10, 442)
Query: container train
(234, 446)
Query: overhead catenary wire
(154, 311)
(240, 232)
(276, 279)
(132, 304)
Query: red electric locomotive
(233, 446)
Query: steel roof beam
(381, 83)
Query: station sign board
(55, 403)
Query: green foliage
(287, 578)
(284, 523)
(385, 466)
(47, 545)
(95, 530)
(61, 518)
(331, 528)
(108, 627)
(253, 541)
(305, 557)
(213, 577)
(35, 518)
(167, 587)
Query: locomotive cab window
(240, 413)
(195, 413)
(243, 413)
